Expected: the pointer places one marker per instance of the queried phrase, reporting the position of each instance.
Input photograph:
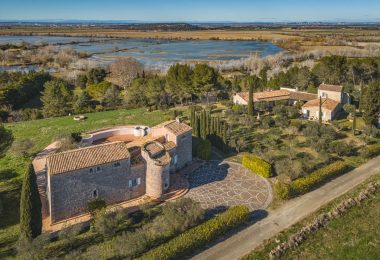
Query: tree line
(126, 84)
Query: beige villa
(116, 164)
(332, 96)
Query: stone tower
(157, 168)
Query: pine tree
(30, 206)
(371, 104)
(55, 98)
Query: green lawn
(42, 132)
(360, 124)
(355, 235)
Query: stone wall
(329, 115)
(337, 96)
(69, 193)
(184, 150)
(157, 176)
(238, 100)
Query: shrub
(77, 137)
(282, 190)
(341, 148)
(96, 205)
(305, 184)
(107, 223)
(239, 109)
(174, 218)
(371, 150)
(257, 165)
(268, 122)
(199, 236)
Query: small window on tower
(98, 169)
(95, 194)
(116, 164)
(91, 170)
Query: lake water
(156, 52)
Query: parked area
(219, 185)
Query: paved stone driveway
(219, 185)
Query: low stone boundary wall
(138, 131)
(323, 220)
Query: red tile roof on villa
(279, 94)
(327, 103)
(302, 96)
(169, 146)
(266, 95)
(87, 157)
(327, 87)
(177, 128)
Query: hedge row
(305, 184)
(257, 165)
(373, 150)
(197, 237)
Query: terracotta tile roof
(157, 152)
(87, 157)
(169, 146)
(302, 96)
(243, 95)
(327, 103)
(280, 94)
(328, 87)
(177, 128)
(142, 140)
(154, 148)
(266, 95)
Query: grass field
(42, 132)
(355, 235)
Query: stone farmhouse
(332, 96)
(116, 165)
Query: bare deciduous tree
(124, 70)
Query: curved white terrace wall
(137, 131)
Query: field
(294, 39)
(41, 133)
(355, 235)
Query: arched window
(95, 194)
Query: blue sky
(193, 10)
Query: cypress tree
(208, 122)
(30, 206)
(225, 126)
(320, 111)
(196, 125)
(202, 125)
(250, 99)
(192, 115)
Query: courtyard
(218, 185)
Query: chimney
(177, 119)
